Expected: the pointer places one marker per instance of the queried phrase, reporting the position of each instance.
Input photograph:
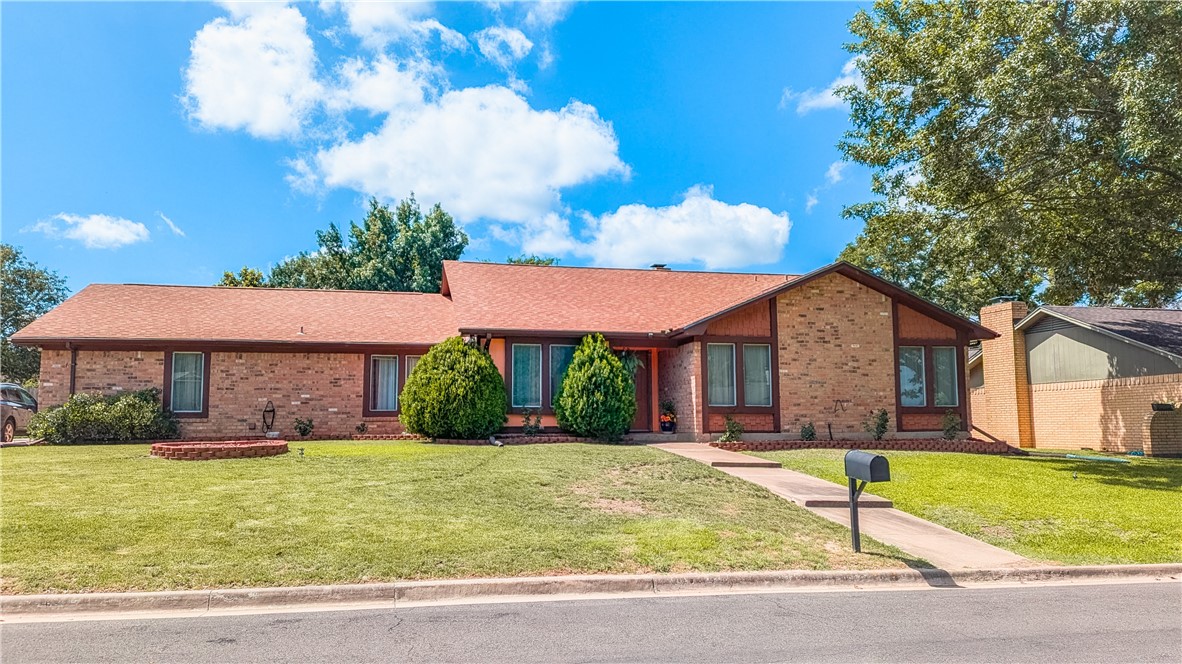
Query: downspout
(73, 366)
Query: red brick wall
(1161, 434)
(752, 422)
(325, 387)
(54, 384)
(836, 342)
(1004, 411)
(680, 375)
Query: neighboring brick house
(773, 351)
(1079, 377)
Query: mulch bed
(968, 445)
(517, 439)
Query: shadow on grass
(1157, 474)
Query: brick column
(1007, 383)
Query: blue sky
(165, 143)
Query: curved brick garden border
(971, 445)
(231, 449)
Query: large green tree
(392, 250)
(1029, 148)
(26, 292)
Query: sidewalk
(942, 547)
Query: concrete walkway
(942, 547)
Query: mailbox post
(862, 468)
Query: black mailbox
(867, 467)
(861, 468)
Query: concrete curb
(551, 586)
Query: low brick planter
(970, 446)
(516, 439)
(385, 436)
(232, 449)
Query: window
(944, 363)
(383, 383)
(411, 361)
(757, 375)
(187, 393)
(720, 374)
(912, 381)
(527, 376)
(560, 357)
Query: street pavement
(1113, 622)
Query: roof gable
(1159, 330)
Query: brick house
(1079, 377)
(774, 351)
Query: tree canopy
(247, 277)
(392, 250)
(531, 259)
(1020, 148)
(26, 292)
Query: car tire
(9, 430)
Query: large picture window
(187, 392)
(383, 389)
(944, 364)
(912, 376)
(720, 373)
(527, 376)
(757, 375)
(560, 358)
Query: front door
(643, 419)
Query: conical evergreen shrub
(597, 398)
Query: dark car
(16, 407)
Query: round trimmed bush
(597, 398)
(455, 391)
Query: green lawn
(1053, 509)
(113, 518)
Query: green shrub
(597, 397)
(304, 427)
(531, 422)
(876, 424)
(455, 391)
(733, 432)
(951, 423)
(131, 416)
(808, 432)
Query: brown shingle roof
(1159, 328)
(207, 313)
(491, 296)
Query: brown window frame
(545, 342)
(929, 376)
(166, 393)
(399, 380)
(740, 406)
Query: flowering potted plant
(668, 417)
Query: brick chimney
(1007, 383)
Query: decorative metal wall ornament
(268, 416)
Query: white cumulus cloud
(833, 174)
(503, 46)
(254, 70)
(378, 24)
(815, 100)
(700, 229)
(481, 152)
(94, 231)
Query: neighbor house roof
(1157, 329)
(139, 313)
(490, 296)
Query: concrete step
(753, 463)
